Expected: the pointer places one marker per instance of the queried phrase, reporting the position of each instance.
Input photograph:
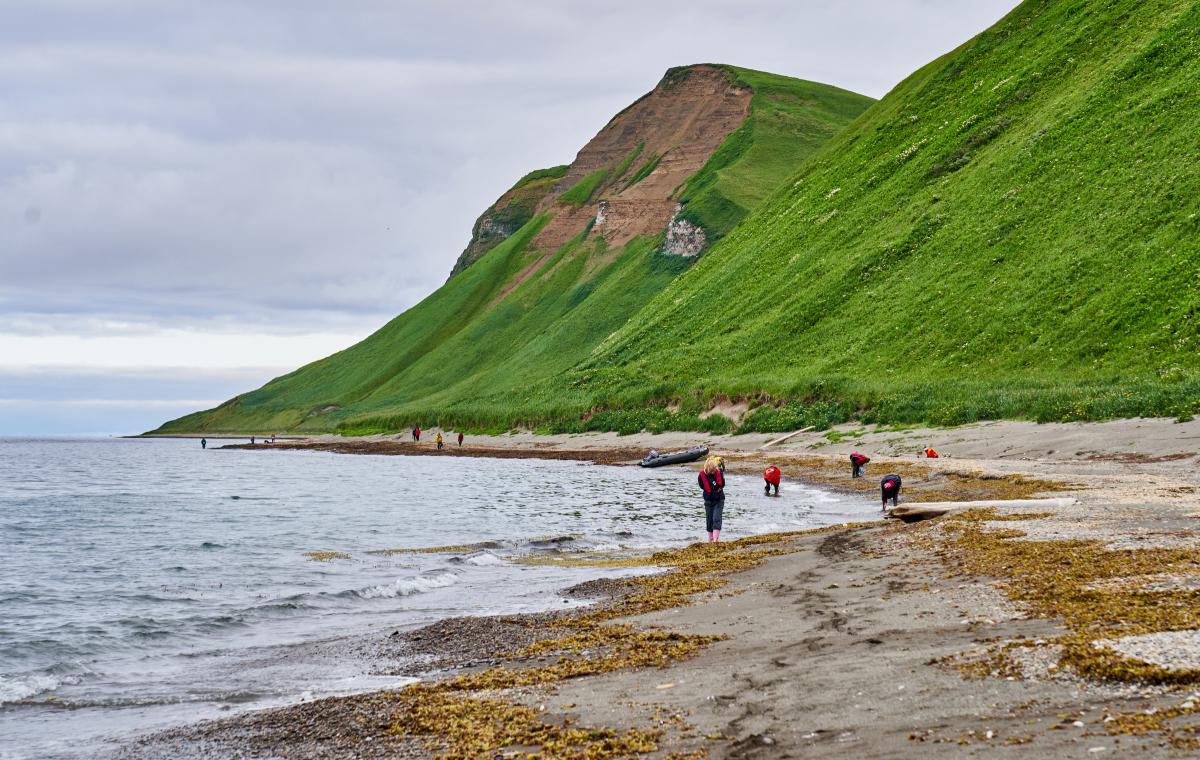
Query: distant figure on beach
(930, 453)
(438, 440)
(251, 440)
(417, 433)
(460, 440)
(858, 464)
(890, 488)
(712, 482)
(772, 476)
(204, 443)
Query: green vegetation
(554, 172)
(583, 190)
(789, 119)
(644, 171)
(628, 161)
(1011, 233)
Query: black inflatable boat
(654, 459)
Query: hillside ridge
(567, 254)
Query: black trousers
(712, 513)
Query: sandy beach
(1058, 618)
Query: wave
(480, 559)
(19, 688)
(418, 584)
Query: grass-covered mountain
(1013, 231)
(564, 258)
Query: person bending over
(712, 483)
(771, 477)
(890, 488)
(858, 464)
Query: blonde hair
(711, 464)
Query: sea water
(150, 582)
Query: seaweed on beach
(1065, 580)
(461, 724)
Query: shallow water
(147, 582)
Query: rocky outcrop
(672, 130)
(684, 238)
(508, 214)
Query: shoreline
(884, 640)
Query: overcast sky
(196, 197)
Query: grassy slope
(789, 120)
(1012, 231)
(459, 356)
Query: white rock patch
(1173, 650)
(683, 237)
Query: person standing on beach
(858, 464)
(417, 433)
(772, 476)
(204, 443)
(712, 482)
(438, 440)
(460, 440)
(890, 488)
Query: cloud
(293, 167)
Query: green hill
(563, 259)
(1012, 232)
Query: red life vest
(708, 486)
(772, 475)
(931, 454)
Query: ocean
(147, 583)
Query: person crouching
(890, 488)
(771, 477)
(712, 483)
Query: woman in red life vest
(930, 453)
(772, 476)
(858, 464)
(890, 488)
(712, 483)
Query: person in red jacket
(712, 483)
(771, 476)
(460, 440)
(889, 488)
(858, 464)
(930, 452)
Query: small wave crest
(418, 584)
(22, 687)
(480, 559)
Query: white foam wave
(484, 559)
(16, 688)
(408, 586)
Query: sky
(198, 197)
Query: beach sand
(865, 641)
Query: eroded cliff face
(670, 133)
(624, 183)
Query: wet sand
(852, 645)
